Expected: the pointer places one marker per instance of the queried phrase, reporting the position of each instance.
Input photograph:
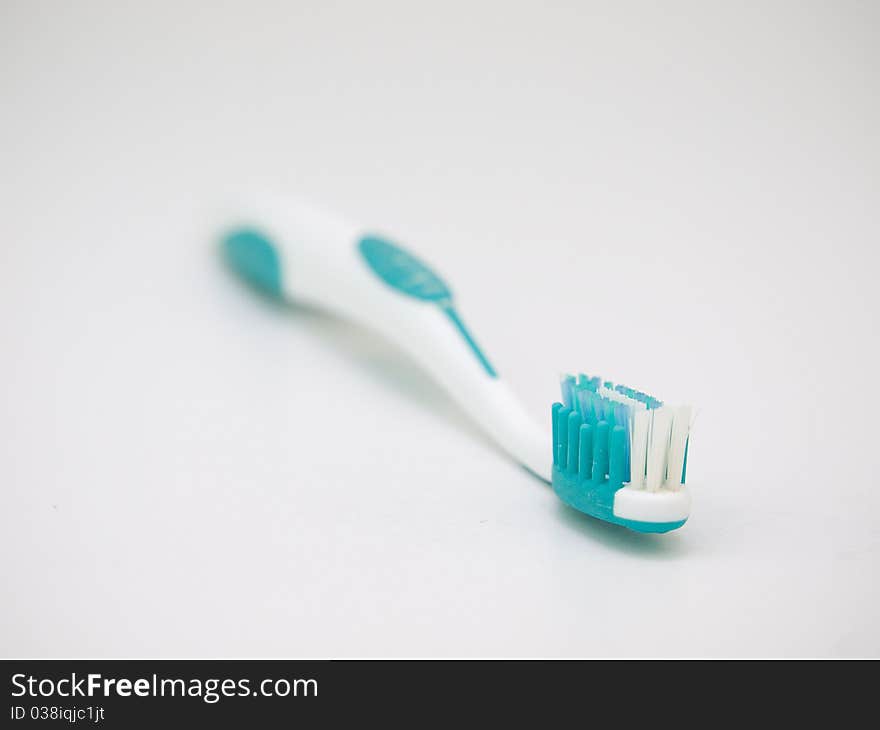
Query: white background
(679, 196)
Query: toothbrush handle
(306, 255)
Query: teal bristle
(600, 451)
(568, 385)
(556, 408)
(595, 407)
(561, 445)
(612, 414)
(623, 419)
(585, 452)
(586, 381)
(585, 405)
(617, 457)
(574, 428)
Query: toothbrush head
(620, 455)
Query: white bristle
(639, 448)
(621, 398)
(681, 425)
(612, 395)
(658, 447)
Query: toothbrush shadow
(373, 355)
(382, 362)
(620, 539)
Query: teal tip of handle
(253, 257)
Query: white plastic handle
(326, 262)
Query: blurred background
(680, 196)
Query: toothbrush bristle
(606, 432)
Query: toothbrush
(613, 452)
